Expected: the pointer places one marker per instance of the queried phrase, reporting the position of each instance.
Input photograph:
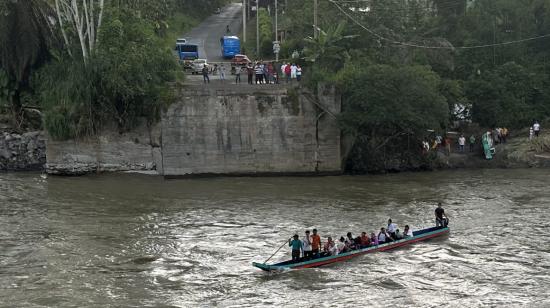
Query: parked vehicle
(187, 51)
(230, 46)
(198, 65)
(240, 60)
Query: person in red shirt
(365, 240)
(315, 243)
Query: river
(138, 241)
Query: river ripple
(135, 241)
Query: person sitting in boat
(392, 227)
(315, 243)
(306, 246)
(296, 247)
(330, 248)
(350, 241)
(398, 235)
(373, 239)
(407, 232)
(365, 240)
(383, 236)
(341, 245)
(441, 219)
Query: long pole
(276, 29)
(315, 18)
(258, 28)
(244, 21)
(276, 22)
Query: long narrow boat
(420, 235)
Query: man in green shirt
(472, 143)
(296, 246)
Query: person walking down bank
(296, 247)
(536, 128)
(472, 143)
(461, 143)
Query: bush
(125, 80)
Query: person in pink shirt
(374, 239)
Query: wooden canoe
(418, 236)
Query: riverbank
(518, 152)
(27, 152)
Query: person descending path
(296, 246)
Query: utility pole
(276, 22)
(244, 21)
(258, 28)
(315, 18)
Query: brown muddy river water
(137, 241)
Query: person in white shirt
(461, 143)
(341, 245)
(222, 72)
(306, 246)
(392, 227)
(408, 232)
(293, 71)
(382, 236)
(536, 128)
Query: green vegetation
(266, 36)
(402, 69)
(88, 64)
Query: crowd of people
(310, 247)
(445, 143)
(259, 72)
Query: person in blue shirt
(296, 246)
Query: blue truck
(231, 46)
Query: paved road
(207, 35)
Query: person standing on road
(298, 73)
(288, 71)
(205, 77)
(258, 70)
(293, 71)
(283, 69)
(250, 73)
(222, 73)
(238, 74)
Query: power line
(379, 36)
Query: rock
(5, 154)
(25, 152)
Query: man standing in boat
(296, 246)
(441, 219)
(315, 243)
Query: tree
(388, 110)
(24, 36)
(83, 20)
